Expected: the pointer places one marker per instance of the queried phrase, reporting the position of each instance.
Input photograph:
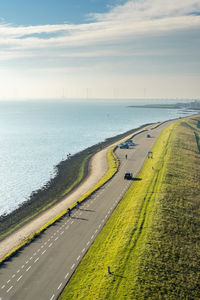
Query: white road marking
(31, 257)
(48, 240)
(13, 276)
(62, 232)
(18, 271)
(3, 287)
(45, 243)
(27, 262)
(72, 266)
(34, 254)
(66, 275)
(28, 269)
(44, 252)
(78, 257)
(50, 245)
(38, 250)
(52, 297)
(92, 236)
(83, 250)
(88, 242)
(9, 289)
(8, 281)
(56, 238)
(67, 227)
(42, 246)
(96, 231)
(36, 260)
(22, 266)
(19, 278)
(54, 233)
(72, 222)
(100, 226)
(60, 286)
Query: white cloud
(123, 22)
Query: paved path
(41, 270)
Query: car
(130, 143)
(124, 146)
(128, 175)
(148, 135)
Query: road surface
(41, 270)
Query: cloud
(121, 24)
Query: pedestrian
(126, 156)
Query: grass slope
(151, 241)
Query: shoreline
(32, 202)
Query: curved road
(41, 270)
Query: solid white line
(19, 278)
(56, 238)
(28, 269)
(83, 250)
(72, 266)
(60, 286)
(36, 260)
(9, 289)
(50, 245)
(52, 297)
(3, 287)
(66, 275)
(44, 252)
(78, 257)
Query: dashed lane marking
(83, 250)
(66, 275)
(22, 266)
(50, 245)
(72, 266)
(19, 278)
(13, 276)
(44, 252)
(59, 286)
(28, 269)
(36, 260)
(52, 297)
(9, 289)
(18, 271)
(62, 232)
(8, 281)
(88, 243)
(92, 236)
(3, 286)
(56, 238)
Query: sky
(99, 49)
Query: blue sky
(109, 48)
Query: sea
(36, 135)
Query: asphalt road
(42, 269)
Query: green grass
(151, 241)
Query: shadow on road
(89, 210)
(76, 218)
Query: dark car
(128, 175)
(148, 135)
(124, 146)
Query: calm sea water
(35, 136)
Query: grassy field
(151, 241)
